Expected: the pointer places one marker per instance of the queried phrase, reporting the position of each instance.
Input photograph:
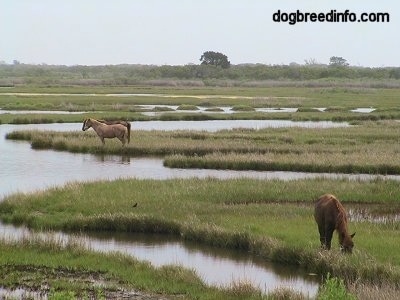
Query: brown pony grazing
(330, 216)
(107, 131)
(125, 123)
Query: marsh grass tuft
(385, 291)
(217, 237)
(242, 108)
(285, 294)
(124, 223)
(334, 289)
(187, 107)
(243, 290)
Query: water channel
(23, 169)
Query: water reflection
(236, 266)
(379, 214)
(123, 159)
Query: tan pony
(330, 215)
(109, 131)
(125, 123)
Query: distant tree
(394, 73)
(215, 59)
(337, 61)
(16, 62)
(311, 62)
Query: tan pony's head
(87, 123)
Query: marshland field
(270, 219)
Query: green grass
(334, 289)
(212, 212)
(187, 107)
(242, 108)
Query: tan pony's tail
(128, 125)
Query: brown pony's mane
(341, 222)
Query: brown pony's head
(347, 243)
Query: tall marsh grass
(367, 163)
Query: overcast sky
(177, 32)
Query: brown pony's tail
(128, 125)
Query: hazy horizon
(176, 32)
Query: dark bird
(134, 205)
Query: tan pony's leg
(122, 138)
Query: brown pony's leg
(325, 236)
(322, 238)
(328, 237)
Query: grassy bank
(70, 271)
(279, 225)
(307, 162)
(369, 147)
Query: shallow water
(364, 110)
(203, 109)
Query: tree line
(132, 74)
